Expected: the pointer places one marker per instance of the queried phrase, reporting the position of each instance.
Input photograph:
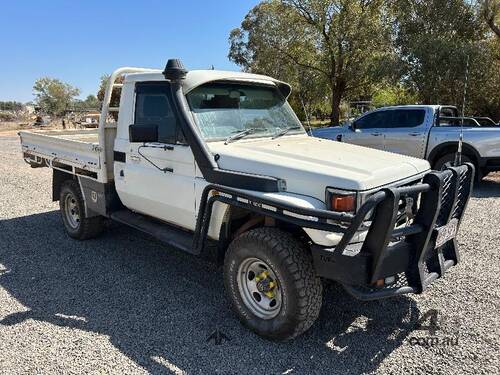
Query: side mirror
(352, 126)
(143, 133)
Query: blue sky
(78, 41)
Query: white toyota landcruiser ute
(217, 164)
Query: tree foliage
(115, 95)
(483, 93)
(435, 39)
(341, 45)
(390, 51)
(490, 10)
(53, 96)
(393, 95)
(90, 103)
(11, 106)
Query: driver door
(407, 132)
(368, 130)
(159, 176)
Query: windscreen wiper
(286, 130)
(241, 134)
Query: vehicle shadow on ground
(158, 306)
(489, 187)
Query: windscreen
(225, 109)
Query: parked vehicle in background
(485, 121)
(217, 164)
(429, 132)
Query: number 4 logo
(429, 322)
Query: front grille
(411, 255)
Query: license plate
(446, 232)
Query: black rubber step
(163, 232)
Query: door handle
(135, 158)
(415, 134)
(162, 146)
(376, 134)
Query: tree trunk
(335, 114)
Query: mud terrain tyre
(271, 284)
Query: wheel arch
(451, 147)
(234, 221)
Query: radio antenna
(306, 112)
(458, 155)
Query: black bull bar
(407, 254)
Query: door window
(375, 120)
(153, 106)
(407, 118)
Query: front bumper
(405, 256)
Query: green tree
(393, 95)
(434, 39)
(115, 96)
(342, 45)
(490, 10)
(483, 94)
(11, 106)
(53, 96)
(91, 102)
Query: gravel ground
(124, 303)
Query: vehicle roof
(433, 106)
(195, 78)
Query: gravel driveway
(123, 303)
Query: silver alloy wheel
(72, 211)
(259, 288)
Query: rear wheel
(271, 283)
(72, 207)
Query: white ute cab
(217, 164)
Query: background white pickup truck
(217, 164)
(424, 131)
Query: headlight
(342, 201)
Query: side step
(161, 231)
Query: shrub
(6, 116)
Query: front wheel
(448, 160)
(271, 283)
